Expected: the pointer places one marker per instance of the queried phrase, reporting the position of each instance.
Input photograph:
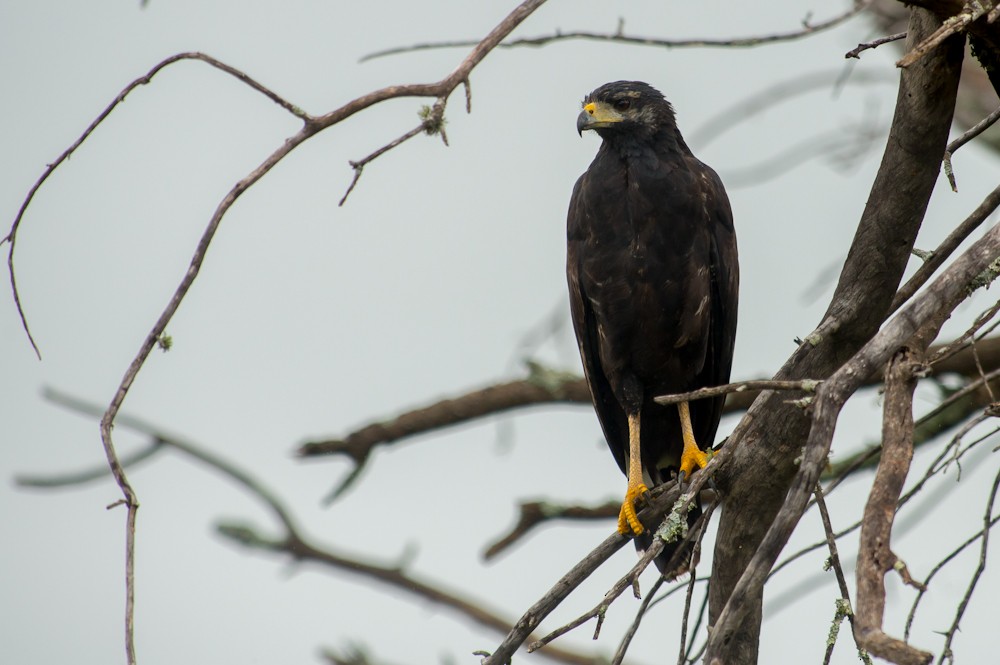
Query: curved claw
(628, 521)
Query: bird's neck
(665, 142)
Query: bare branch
(960, 611)
(875, 43)
(620, 37)
(975, 131)
(630, 579)
(838, 571)
(806, 385)
(941, 253)
(951, 26)
(295, 543)
(759, 510)
(50, 168)
(875, 557)
(939, 298)
(311, 126)
(662, 499)
(534, 513)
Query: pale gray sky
(309, 319)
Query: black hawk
(653, 282)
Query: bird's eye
(622, 104)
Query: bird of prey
(653, 283)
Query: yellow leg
(628, 523)
(692, 457)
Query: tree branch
(295, 543)
(940, 298)
(311, 126)
(875, 556)
(768, 441)
(620, 37)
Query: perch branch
(972, 133)
(543, 386)
(629, 580)
(806, 385)
(663, 499)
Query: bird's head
(625, 107)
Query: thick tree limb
(770, 437)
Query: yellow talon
(628, 522)
(692, 457)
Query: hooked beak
(596, 115)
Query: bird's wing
(609, 412)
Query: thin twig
(662, 499)
(960, 611)
(634, 627)
(946, 248)
(620, 37)
(359, 165)
(978, 129)
(50, 168)
(806, 385)
(911, 615)
(534, 513)
(692, 568)
(875, 43)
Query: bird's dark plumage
(653, 279)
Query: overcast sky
(309, 319)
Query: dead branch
(875, 43)
(296, 544)
(943, 295)
(980, 567)
(758, 510)
(620, 37)
(875, 556)
(951, 26)
(838, 570)
(805, 385)
(534, 513)
(662, 500)
(311, 126)
(545, 386)
(942, 252)
(975, 131)
(631, 578)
